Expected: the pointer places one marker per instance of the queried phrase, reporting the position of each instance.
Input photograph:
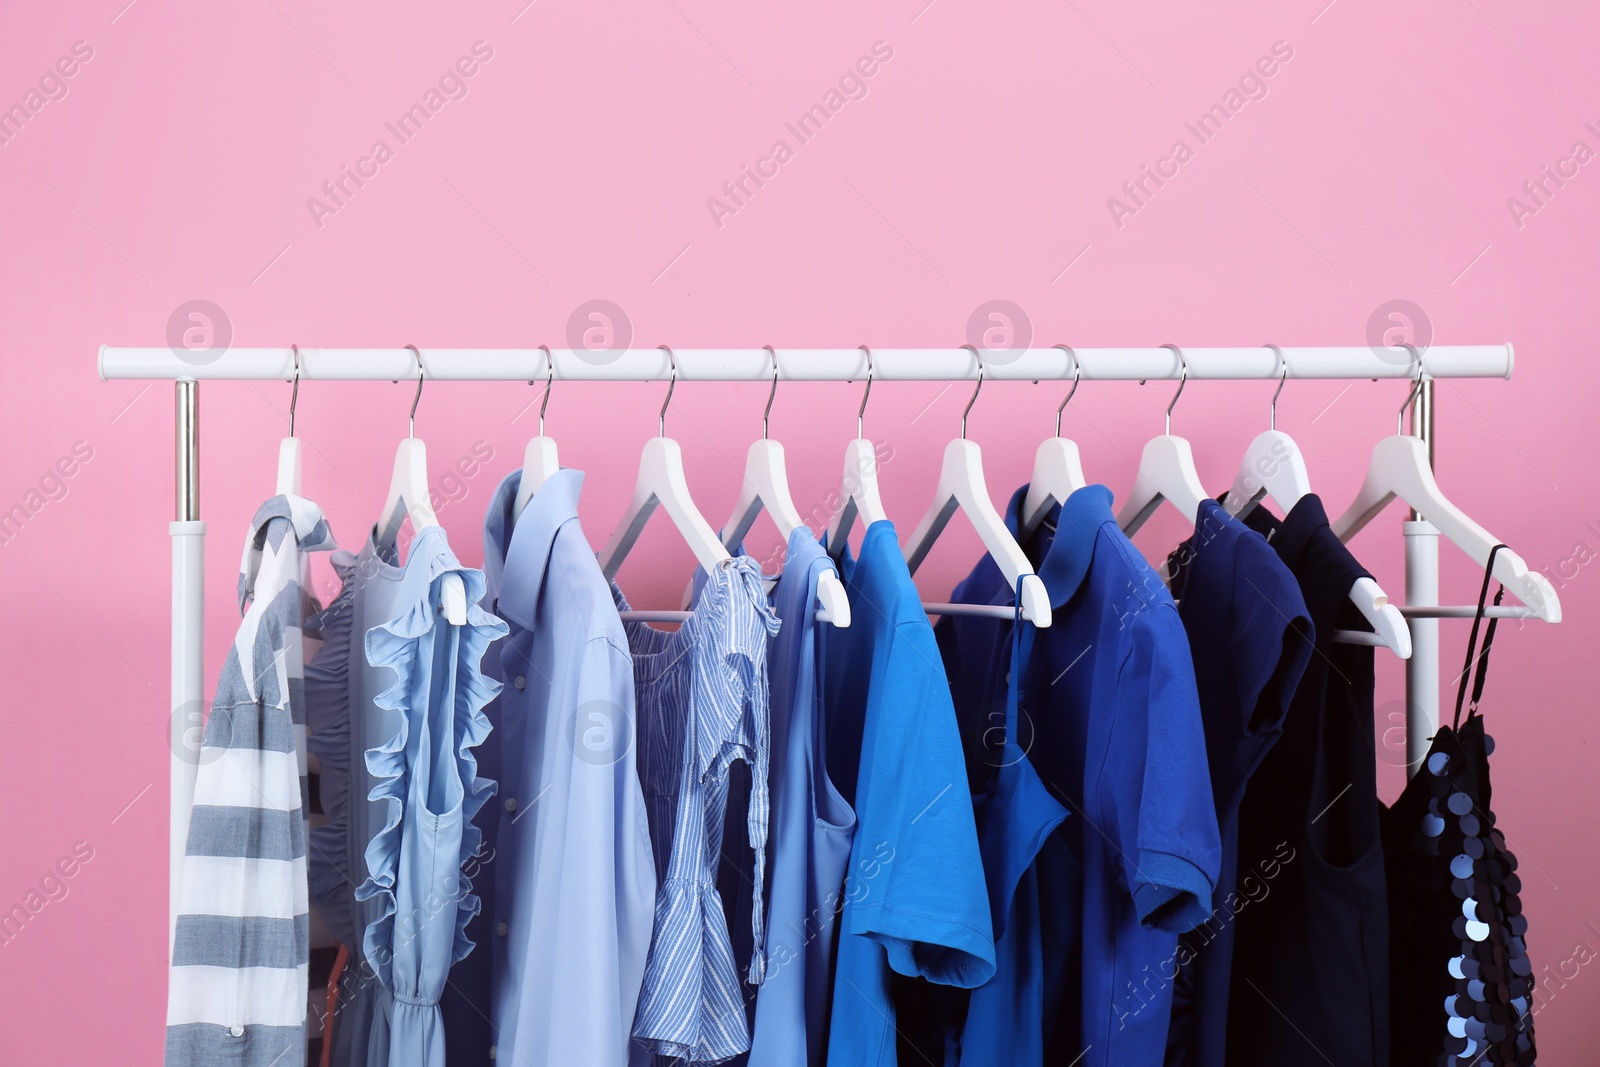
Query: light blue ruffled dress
(395, 717)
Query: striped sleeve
(237, 986)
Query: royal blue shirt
(915, 902)
(1110, 721)
(1251, 637)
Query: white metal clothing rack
(187, 370)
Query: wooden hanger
(1166, 472)
(766, 486)
(408, 495)
(1057, 468)
(1400, 467)
(539, 462)
(662, 481)
(962, 487)
(859, 484)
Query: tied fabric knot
(752, 591)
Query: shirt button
(521, 682)
(492, 1049)
(511, 803)
(502, 929)
(236, 1030)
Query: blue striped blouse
(701, 698)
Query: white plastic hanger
(962, 485)
(766, 485)
(859, 484)
(1166, 471)
(408, 495)
(289, 449)
(539, 462)
(1400, 468)
(662, 481)
(1273, 465)
(1057, 468)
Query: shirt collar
(517, 564)
(1297, 528)
(1077, 524)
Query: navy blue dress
(1311, 958)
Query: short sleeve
(1272, 635)
(1177, 854)
(915, 883)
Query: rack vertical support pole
(188, 634)
(1422, 590)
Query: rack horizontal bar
(821, 365)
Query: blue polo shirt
(1251, 638)
(1110, 721)
(914, 899)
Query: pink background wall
(578, 165)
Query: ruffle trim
(660, 1025)
(394, 645)
(327, 694)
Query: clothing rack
(1265, 363)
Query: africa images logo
(1399, 332)
(599, 332)
(1000, 331)
(199, 332)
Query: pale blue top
(401, 788)
(812, 828)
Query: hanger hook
(1416, 386)
(1077, 373)
(294, 396)
(862, 410)
(549, 376)
(1283, 373)
(672, 383)
(418, 397)
(772, 395)
(979, 357)
(1183, 365)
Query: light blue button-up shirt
(574, 875)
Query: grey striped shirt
(237, 987)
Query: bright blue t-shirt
(915, 902)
